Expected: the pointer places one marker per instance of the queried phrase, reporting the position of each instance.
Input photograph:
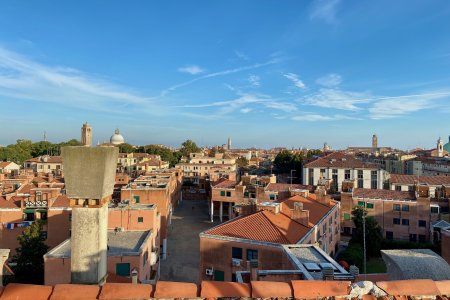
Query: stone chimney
(89, 179)
(299, 214)
(322, 197)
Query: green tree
(374, 236)
(189, 147)
(285, 161)
(126, 148)
(41, 148)
(30, 255)
(242, 162)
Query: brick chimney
(322, 197)
(299, 214)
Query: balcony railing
(36, 203)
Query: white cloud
(330, 80)
(392, 107)
(246, 110)
(254, 80)
(22, 78)
(193, 70)
(294, 78)
(338, 99)
(241, 55)
(220, 73)
(318, 118)
(325, 10)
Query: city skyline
(266, 75)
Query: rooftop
(340, 160)
(413, 179)
(119, 243)
(383, 194)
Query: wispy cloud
(241, 55)
(325, 10)
(295, 79)
(220, 73)
(392, 107)
(338, 99)
(254, 80)
(192, 69)
(330, 80)
(22, 78)
(246, 110)
(244, 102)
(318, 118)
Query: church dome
(447, 146)
(117, 138)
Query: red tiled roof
(316, 209)
(280, 187)
(4, 164)
(262, 226)
(61, 201)
(340, 160)
(300, 289)
(9, 203)
(412, 179)
(224, 184)
(383, 194)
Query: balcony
(36, 203)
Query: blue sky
(266, 73)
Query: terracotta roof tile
(412, 287)
(123, 291)
(18, 291)
(271, 289)
(224, 183)
(340, 160)
(216, 289)
(308, 289)
(9, 203)
(75, 292)
(383, 194)
(316, 209)
(172, 289)
(412, 179)
(4, 164)
(443, 286)
(61, 201)
(280, 187)
(262, 226)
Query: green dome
(447, 146)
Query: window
(422, 223)
(318, 236)
(335, 179)
(228, 194)
(396, 221)
(145, 257)
(413, 237)
(236, 253)
(389, 235)
(252, 254)
(70, 217)
(374, 180)
(405, 207)
(140, 219)
(222, 193)
(272, 197)
(410, 188)
(369, 205)
(398, 187)
(219, 275)
(311, 176)
(405, 222)
(346, 216)
(322, 173)
(435, 209)
(347, 174)
(136, 199)
(245, 194)
(396, 207)
(360, 179)
(233, 277)
(362, 203)
(123, 269)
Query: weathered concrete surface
(89, 173)
(183, 242)
(4, 253)
(89, 244)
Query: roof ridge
(276, 227)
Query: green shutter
(362, 203)
(222, 193)
(219, 275)
(137, 199)
(346, 216)
(369, 205)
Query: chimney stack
(89, 179)
(299, 214)
(322, 197)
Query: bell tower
(440, 148)
(86, 134)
